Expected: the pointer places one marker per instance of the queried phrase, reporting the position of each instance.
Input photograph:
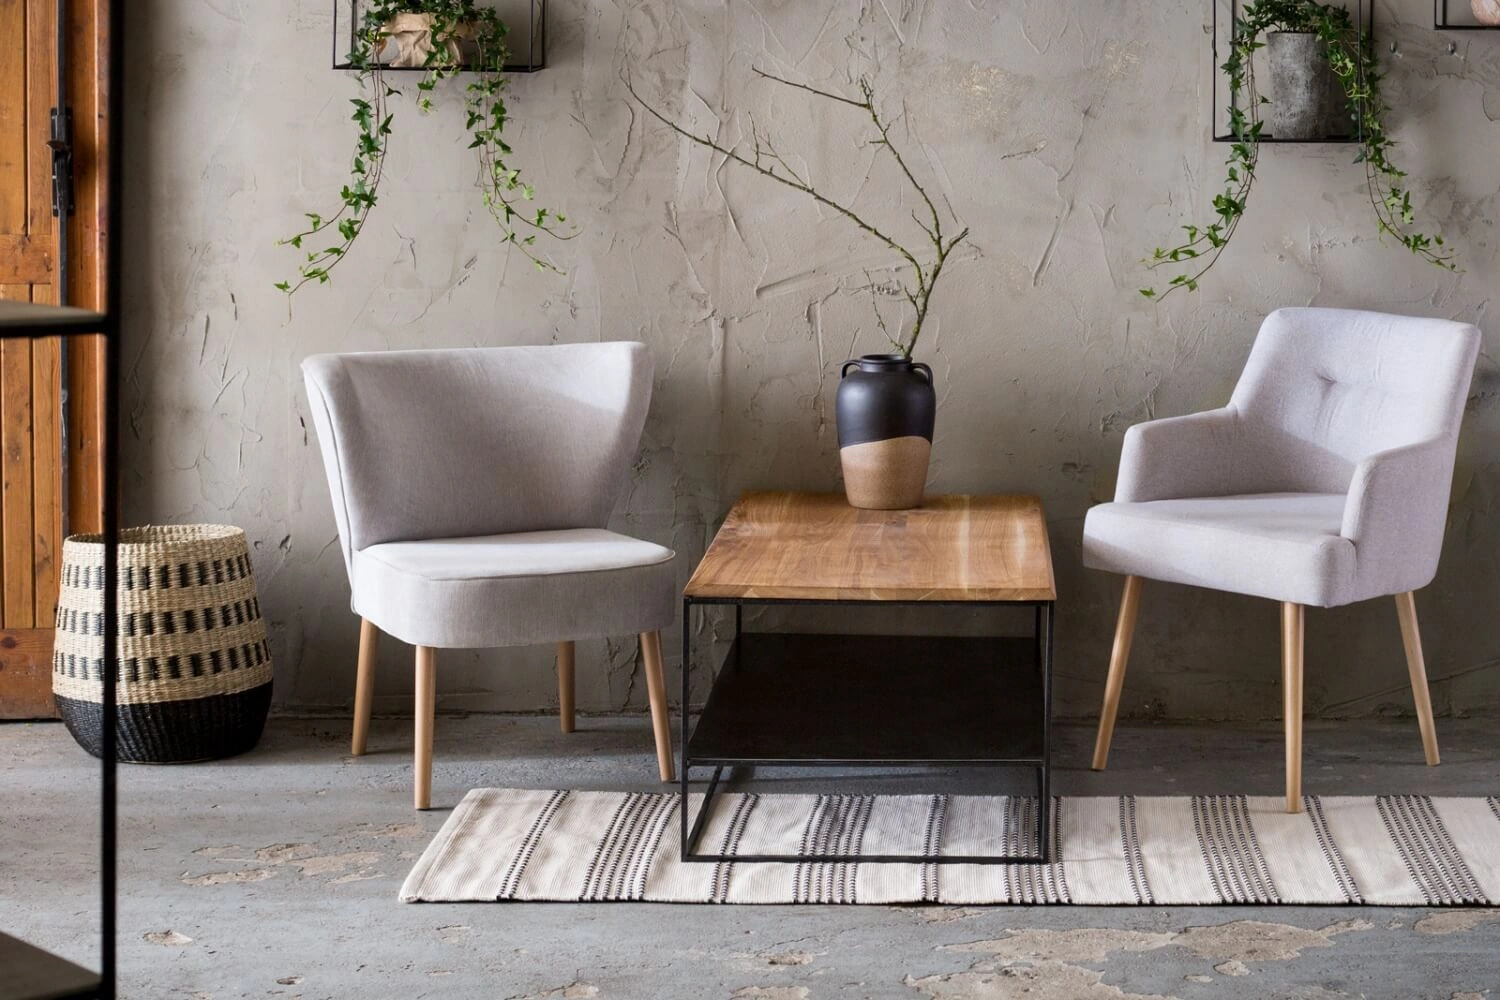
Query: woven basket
(194, 675)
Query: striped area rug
(1396, 850)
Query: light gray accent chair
(472, 489)
(1324, 481)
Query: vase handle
(923, 368)
(844, 369)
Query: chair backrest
(1324, 388)
(454, 443)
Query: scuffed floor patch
(357, 861)
(166, 937)
(1258, 941)
(1037, 963)
(1083, 944)
(1455, 921)
(1238, 941)
(228, 878)
(1042, 981)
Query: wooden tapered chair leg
(565, 685)
(426, 713)
(656, 689)
(1118, 657)
(1411, 638)
(1292, 637)
(364, 684)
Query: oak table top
(814, 546)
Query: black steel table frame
(691, 831)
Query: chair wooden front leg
(426, 714)
(1411, 638)
(1292, 636)
(364, 684)
(565, 686)
(1118, 657)
(656, 689)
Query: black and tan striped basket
(194, 678)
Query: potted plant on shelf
(444, 37)
(886, 406)
(1324, 76)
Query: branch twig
(919, 292)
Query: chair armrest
(1400, 497)
(1190, 456)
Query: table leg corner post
(1046, 768)
(682, 748)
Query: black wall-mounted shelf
(1442, 22)
(526, 35)
(1226, 14)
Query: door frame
(51, 455)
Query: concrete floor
(275, 875)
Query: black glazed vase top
(884, 396)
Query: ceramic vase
(886, 408)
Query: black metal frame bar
(691, 832)
(536, 49)
(63, 321)
(1440, 20)
(1364, 16)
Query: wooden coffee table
(793, 700)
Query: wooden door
(50, 452)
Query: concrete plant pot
(1306, 99)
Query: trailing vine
(450, 26)
(1352, 59)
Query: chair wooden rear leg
(1411, 638)
(565, 685)
(656, 688)
(1118, 657)
(364, 684)
(1292, 638)
(426, 713)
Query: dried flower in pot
(887, 408)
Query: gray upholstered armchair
(471, 490)
(1324, 481)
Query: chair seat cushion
(518, 589)
(1284, 546)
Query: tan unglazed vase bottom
(886, 475)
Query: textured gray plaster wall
(1071, 135)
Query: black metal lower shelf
(801, 699)
(29, 973)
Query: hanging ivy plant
(432, 34)
(1352, 59)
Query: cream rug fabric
(1407, 850)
